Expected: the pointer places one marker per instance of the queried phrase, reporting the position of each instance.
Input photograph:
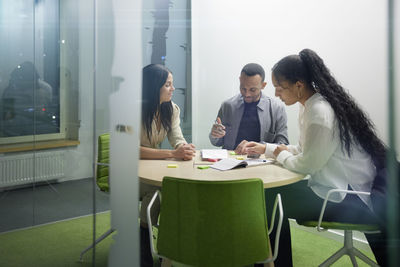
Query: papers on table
(230, 163)
(214, 153)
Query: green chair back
(213, 223)
(103, 157)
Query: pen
(219, 125)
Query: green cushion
(103, 156)
(213, 223)
(341, 226)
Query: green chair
(213, 223)
(103, 162)
(102, 178)
(348, 248)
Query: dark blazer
(272, 116)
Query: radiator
(31, 168)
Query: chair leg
(353, 259)
(338, 254)
(110, 231)
(364, 258)
(350, 250)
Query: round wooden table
(153, 171)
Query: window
(33, 78)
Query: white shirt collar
(312, 99)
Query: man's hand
(253, 148)
(185, 152)
(240, 149)
(279, 149)
(218, 130)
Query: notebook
(230, 163)
(214, 153)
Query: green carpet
(59, 244)
(55, 245)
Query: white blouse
(175, 136)
(319, 153)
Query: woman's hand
(279, 149)
(241, 148)
(185, 152)
(253, 148)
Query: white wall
(349, 35)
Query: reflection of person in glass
(26, 104)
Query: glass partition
(70, 71)
(30, 81)
(167, 41)
(46, 130)
(19, 79)
(393, 155)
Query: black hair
(252, 69)
(354, 124)
(154, 77)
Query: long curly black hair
(354, 124)
(154, 77)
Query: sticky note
(203, 167)
(240, 158)
(172, 166)
(232, 153)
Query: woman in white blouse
(160, 119)
(338, 147)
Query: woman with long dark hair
(338, 147)
(160, 119)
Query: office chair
(102, 178)
(348, 248)
(213, 223)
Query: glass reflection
(46, 147)
(29, 69)
(27, 99)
